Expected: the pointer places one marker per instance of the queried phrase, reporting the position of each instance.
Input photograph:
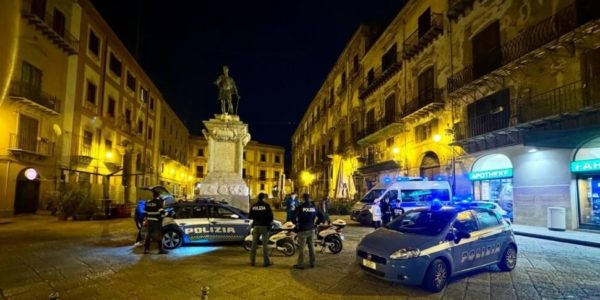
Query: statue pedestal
(226, 136)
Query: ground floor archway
(27, 191)
(430, 166)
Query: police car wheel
(247, 245)
(509, 259)
(334, 244)
(172, 239)
(436, 277)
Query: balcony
(84, 158)
(54, 31)
(566, 101)
(422, 37)
(478, 127)
(380, 78)
(34, 97)
(543, 38)
(423, 105)
(456, 8)
(30, 148)
(386, 127)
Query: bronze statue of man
(227, 89)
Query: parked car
(429, 245)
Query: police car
(204, 221)
(429, 245)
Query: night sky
(278, 52)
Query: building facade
(263, 167)
(499, 98)
(174, 165)
(32, 107)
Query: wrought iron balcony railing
(481, 125)
(568, 98)
(381, 76)
(422, 37)
(47, 24)
(426, 101)
(530, 39)
(19, 90)
(30, 144)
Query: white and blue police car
(204, 221)
(429, 245)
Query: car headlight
(405, 254)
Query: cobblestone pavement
(95, 260)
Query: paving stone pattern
(95, 260)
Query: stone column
(226, 136)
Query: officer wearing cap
(262, 217)
(304, 218)
(154, 214)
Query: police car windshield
(423, 222)
(372, 195)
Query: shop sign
(491, 174)
(585, 166)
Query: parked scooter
(280, 238)
(329, 236)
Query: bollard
(204, 293)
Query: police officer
(304, 218)
(291, 203)
(262, 217)
(154, 215)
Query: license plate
(369, 264)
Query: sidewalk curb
(558, 239)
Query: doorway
(27, 192)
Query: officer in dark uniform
(262, 217)
(304, 218)
(154, 213)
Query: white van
(405, 193)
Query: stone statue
(227, 89)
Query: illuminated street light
(307, 177)
(395, 150)
(437, 138)
(109, 155)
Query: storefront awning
(567, 138)
(378, 167)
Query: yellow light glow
(109, 155)
(172, 171)
(395, 150)
(307, 177)
(437, 138)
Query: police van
(204, 221)
(404, 194)
(429, 245)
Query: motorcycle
(329, 236)
(280, 238)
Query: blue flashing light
(439, 178)
(436, 204)
(387, 180)
(401, 178)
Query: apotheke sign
(491, 174)
(585, 166)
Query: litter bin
(557, 218)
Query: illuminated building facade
(500, 98)
(174, 166)
(33, 103)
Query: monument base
(227, 186)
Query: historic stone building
(174, 166)
(497, 97)
(31, 111)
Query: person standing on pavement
(324, 206)
(376, 213)
(154, 215)
(262, 217)
(304, 218)
(291, 203)
(386, 211)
